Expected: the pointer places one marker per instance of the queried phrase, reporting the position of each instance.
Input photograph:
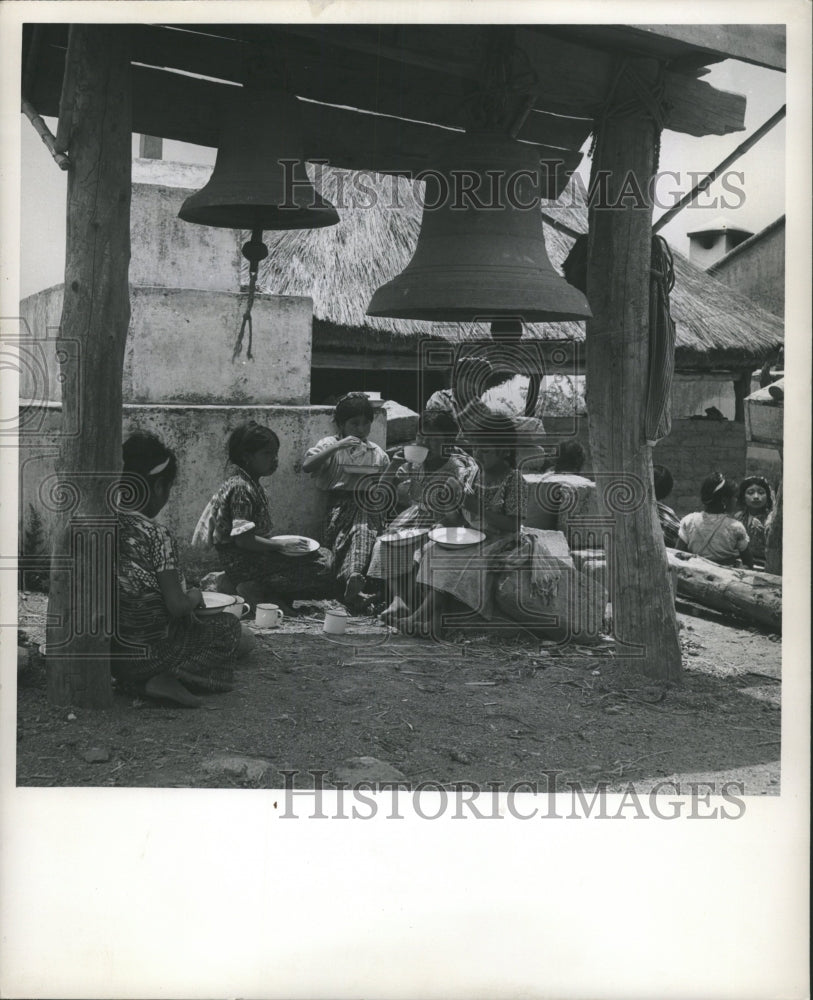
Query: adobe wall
(197, 435)
(692, 450)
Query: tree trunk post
(95, 316)
(742, 389)
(617, 355)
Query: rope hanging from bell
(254, 251)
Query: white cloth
(718, 537)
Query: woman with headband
(162, 651)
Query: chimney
(707, 246)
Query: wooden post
(617, 354)
(96, 313)
(742, 388)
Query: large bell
(259, 180)
(481, 248)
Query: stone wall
(179, 348)
(197, 435)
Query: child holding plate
(162, 650)
(237, 523)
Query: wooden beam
(336, 66)
(572, 80)
(618, 279)
(576, 80)
(179, 107)
(95, 314)
(760, 44)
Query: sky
(44, 185)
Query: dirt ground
(481, 709)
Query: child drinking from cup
(177, 651)
(713, 533)
(347, 467)
(237, 522)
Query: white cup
(415, 453)
(268, 616)
(239, 609)
(335, 622)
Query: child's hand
(349, 442)
(296, 548)
(471, 501)
(195, 598)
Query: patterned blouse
(755, 526)
(417, 484)
(145, 549)
(509, 497)
(239, 507)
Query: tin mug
(335, 622)
(268, 616)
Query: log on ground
(746, 593)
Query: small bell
(259, 179)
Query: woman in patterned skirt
(162, 649)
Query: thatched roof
(340, 267)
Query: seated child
(521, 573)
(237, 522)
(494, 504)
(670, 523)
(755, 502)
(431, 490)
(347, 467)
(178, 651)
(713, 533)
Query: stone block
(402, 423)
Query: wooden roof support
(338, 64)
(95, 318)
(760, 44)
(617, 354)
(178, 107)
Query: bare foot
(415, 625)
(396, 610)
(165, 687)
